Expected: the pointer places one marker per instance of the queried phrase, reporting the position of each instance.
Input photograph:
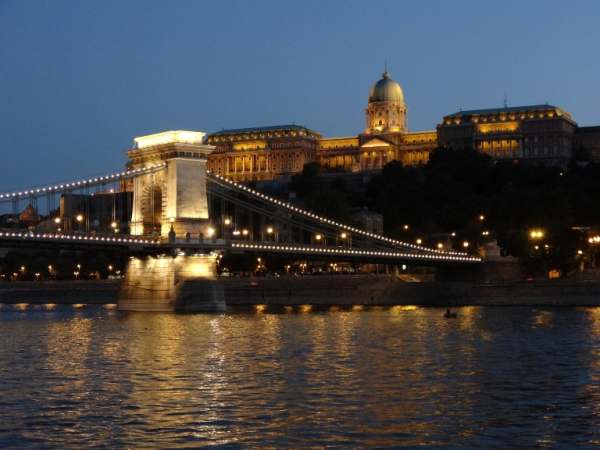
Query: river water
(492, 378)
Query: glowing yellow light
(481, 217)
(465, 244)
(79, 218)
(245, 232)
(170, 137)
(343, 235)
(270, 230)
(227, 221)
(498, 127)
(399, 308)
(318, 237)
(210, 231)
(536, 234)
(440, 245)
(406, 227)
(260, 308)
(305, 308)
(113, 224)
(57, 220)
(419, 241)
(580, 252)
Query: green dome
(386, 90)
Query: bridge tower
(174, 195)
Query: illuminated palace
(539, 133)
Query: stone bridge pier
(182, 283)
(170, 198)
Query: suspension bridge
(176, 218)
(174, 202)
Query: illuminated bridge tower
(175, 193)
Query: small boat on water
(449, 314)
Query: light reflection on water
(493, 377)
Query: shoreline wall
(329, 290)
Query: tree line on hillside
(476, 198)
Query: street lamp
(269, 230)
(466, 244)
(536, 234)
(210, 232)
(481, 217)
(440, 245)
(419, 241)
(79, 218)
(227, 221)
(57, 220)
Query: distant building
(537, 133)
(29, 216)
(588, 140)
(368, 220)
(102, 212)
(540, 134)
(262, 153)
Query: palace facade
(543, 134)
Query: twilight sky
(80, 79)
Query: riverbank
(340, 290)
(60, 292)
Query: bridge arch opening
(152, 210)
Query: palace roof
(286, 127)
(505, 109)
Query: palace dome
(386, 90)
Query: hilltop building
(539, 134)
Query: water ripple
(492, 378)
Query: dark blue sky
(80, 79)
